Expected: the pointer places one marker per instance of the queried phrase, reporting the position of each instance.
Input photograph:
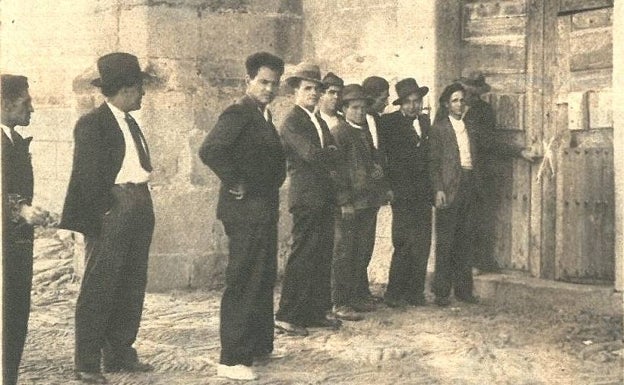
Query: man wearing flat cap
(310, 153)
(406, 137)
(108, 200)
(244, 151)
(330, 99)
(482, 118)
(361, 190)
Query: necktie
(139, 142)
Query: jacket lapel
(113, 137)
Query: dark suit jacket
(309, 165)
(444, 159)
(407, 156)
(17, 187)
(243, 148)
(99, 150)
(357, 162)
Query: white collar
(119, 114)
(7, 131)
(310, 114)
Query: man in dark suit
(406, 137)
(454, 177)
(377, 90)
(482, 118)
(361, 188)
(310, 152)
(108, 200)
(18, 218)
(244, 151)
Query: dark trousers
(487, 206)
(353, 248)
(247, 304)
(454, 242)
(411, 238)
(110, 303)
(306, 293)
(17, 281)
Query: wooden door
(584, 238)
(494, 42)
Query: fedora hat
(475, 79)
(375, 86)
(354, 92)
(118, 68)
(331, 79)
(305, 71)
(407, 87)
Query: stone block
(44, 159)
(169, 271)
(51, 124)
(235, 36)
(174, 32)
(134, 33)
(173, 75)
(274, 6)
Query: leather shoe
(135, 366)
(347, 313)
(283, 327)
(236, 372)
(325, 322)
(473, 299)
(363, 306)
(442, 301)
(91, 377)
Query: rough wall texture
(196, 49)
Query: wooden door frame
(618, 140)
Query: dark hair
(13, 86)
(443, 112)
(111, 89)
(263, 59)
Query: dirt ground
(459, 345)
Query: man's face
(133, 96)
(264, 86)
(355, 111)
(456, 104)
(380, 102)
(17, 112)
(412, 105)
(307, 94)
(330, 99)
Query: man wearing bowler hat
(330, 100)
(360, 191)
(310, 154)
(108, 201)
(406, 137)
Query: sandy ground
(459, 345)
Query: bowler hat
(331, 79)
(475, 79)
(407, 87)
(118, 68)
(354, 92)
(375, 86)
(305, 71)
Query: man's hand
(348, 212)
(239, 191)
(529, 154)
(34, 215)
(440, 200)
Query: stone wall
(196, 49)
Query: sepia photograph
(311, 192)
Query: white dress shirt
(372, 127)
(463, 142)
(131, 169)
(332, 121)
(7, 131)
(317, 124)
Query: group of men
(344, 158)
